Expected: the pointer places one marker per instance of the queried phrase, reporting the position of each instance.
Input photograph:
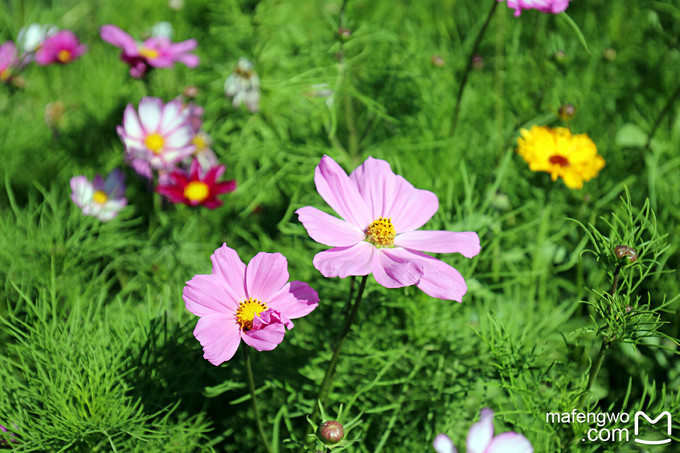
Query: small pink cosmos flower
(480, 439)
(377, 234)
(194, 188)
(156, 136)
(253, 303)
(100, 198)
(545, 6)
(157, 51)
(62, 47)
(8, 60)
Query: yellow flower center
(381, 232)
(148, 53)
(196, 191)
(247, 310)
(64, 56)
(559, 160)
(155, 143)
(100, 197)
(243, 73)
(4, 75)
(199, 142)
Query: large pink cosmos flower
(480, 439)
(196, 187)
(252, 303)
(62, 47)
(8, 60)
(157, 51)
(157, 136)
(545, 6)
(380, 214)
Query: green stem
(475, 48)
(251, 387)
(663, 113)
(598, 364)
(327, 382)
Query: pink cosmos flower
(157, 51)
(253, 303)
(377, 234)
(100, 198)
(8, 60)
(157, 136)
(194, 188)
(62, 47)
(480, 439)
(545, 6)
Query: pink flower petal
(340, 193)
(208, 295)
(117, 37)
(219, 335)
(266, 338)
(150, 113)
(510, 442)
(131, 126)
(393, 270)
(295, 300)
(480, 434)
(231, 271)
(465, 243)
(343, 261)
(443, 444)
(266, 274)
(329, 230)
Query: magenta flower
(545, 6)
(195, 188)
(100, 198)
(252, 303)
(480, 439)
(377, 234)
(156, 136)
(157, 51)
(8, 60)
(62, 47)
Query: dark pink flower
(377, 234)
(8, 60)
(62, 47)
(545, 6)
(253, 303)
(194, 188)
(157, 51)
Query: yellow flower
(573, 158)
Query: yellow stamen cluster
(100, 197)
(64, 56)
(381, 232)
(155, 143)
(196, 191)
(247, 310)
(148, 53)
(199, 142)
(556, 151)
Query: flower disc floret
(100, 198)
(247, 310)
(196, 187)
(196, 191)
(381, 232)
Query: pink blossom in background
(100, 198)
(545, 6)
(62, 47)
(480, 439)
(157, 51)
(253, 303)
(196, 187)
(156, 135)
(380, 213)
(8, 60)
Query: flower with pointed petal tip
(101, 198)
(480, 439)
(8, 61)
(545, 6)
(156, 136)
(253, 303)
(556, 151)
(30, 38)
(62, 47)
(377, 234)
(243, 85)
(194, 188)
(157, 51)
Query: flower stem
(327, 382)
(475, 48)
(598, 363)
(663, 113)
(251, 387)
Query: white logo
(639, 414)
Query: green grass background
(96, 345)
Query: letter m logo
(639, 414)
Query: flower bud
(190, 92)
(623, 251)
(560, 56)
(344, 32)
(610, 54)
(331, 432)
(567, 112)
(477, 62)
(437, 60)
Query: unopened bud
(54, 112)
(331, 432)
(560, 56)
(437, 60)
(623, 251)
(478, 62)
(344, 32)
(190, 92)
(610, 54)
(567, 112)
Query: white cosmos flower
(31, 37)
(243, 85)
(100, 198)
